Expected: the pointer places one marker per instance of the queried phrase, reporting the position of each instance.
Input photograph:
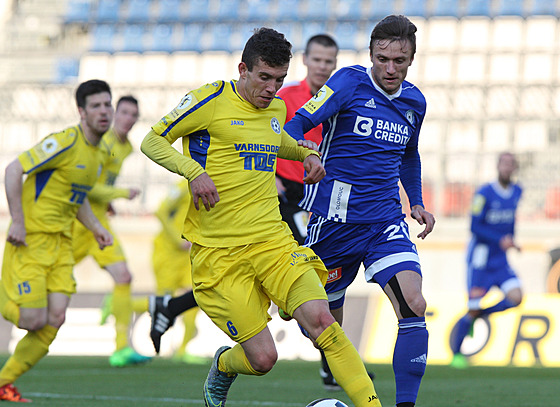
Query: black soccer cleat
(161, 318)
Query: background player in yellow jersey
(37, 279)
(171, 263)
(116, 147)
(243, 255)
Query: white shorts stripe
(389, 261)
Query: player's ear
(242, 70)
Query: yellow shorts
(30, 273)
(172, 267)
(84, 244)
(234, 286)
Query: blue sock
(463, 326)
(409, 358)
(501, 306)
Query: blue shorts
(487, 268)
(384, 248)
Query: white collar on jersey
(506, 192)
(390, 97)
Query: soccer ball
(327, 403)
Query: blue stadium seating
(478, 8)
(345, 35)
(220, 38)
(138, 11)
(108, 11)
(446, 8)
(162, 38)
(309, 29)
(191, 39)
(381, 8)
(316, 10)
(511, 8)
(198, 11)
(77, 11)
(544, 7)
(258, 10)
(67, 70)
(103, 38)
(288, 10)
(169, 11)
(415, 8)
(349, 10)
(228, 10)
(133, 38)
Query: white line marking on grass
(155, 399)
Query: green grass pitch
(89, 381)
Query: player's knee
(263, 362)
(32, 322)
(319, 322)
(417, 306)
(56, 318)
(515, 297)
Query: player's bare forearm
(14, 187)
(423, 217)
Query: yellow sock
(347, 367)
(189, 318)
(8, 308)
(140, 305)
(122, 310)
(234, 361)
(29, 350)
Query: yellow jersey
(237, 144)
(61, 170)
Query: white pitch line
(155, 399)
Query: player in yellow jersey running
(243, 255)
(37, 279)
(117, 147)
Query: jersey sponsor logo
(334, 275)
(185, 102)
(338, 206)
(79, 193)
(301, 257)
(371, 103)
(268, 148)
(237, 123)
(259, 157)
(410, 116)
(384, 130)
(319, 99)
(275, 124)
(50, 145)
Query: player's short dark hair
(394, 28)
(268, 45)
(322, 39)
(89, 88)
(127, 98)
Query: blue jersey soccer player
(371, 121)
(37, 279)
(492, 226)
(243, 255)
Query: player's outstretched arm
(203, 188)
(14, 187)
(314, 169)
(90, 221)
(423, 217)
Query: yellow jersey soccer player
(37, 279)
(243, 255)
(116, 148)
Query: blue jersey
(492, 217)
(370, 141)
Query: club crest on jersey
(275, 124)
(319, 99)
(185, 102)
(49, 146)
(410, 116)
(335, 274)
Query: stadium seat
(138, 11)
(108, 11)
(544, 7)
(349, 10)
(446, 8)
(345, 35)
(77, 11)
(381, 8)
(192, 38)
(220, 38)
(258, 10)
(310, 29)
(133, 39)
(228, 10)
(169, 11)
(511, 8)
(198, 11)
(103, 38)
(162, 38)
(288, 10)
(415, 8)
(67, 70)
(478, 8)
(316, 10)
